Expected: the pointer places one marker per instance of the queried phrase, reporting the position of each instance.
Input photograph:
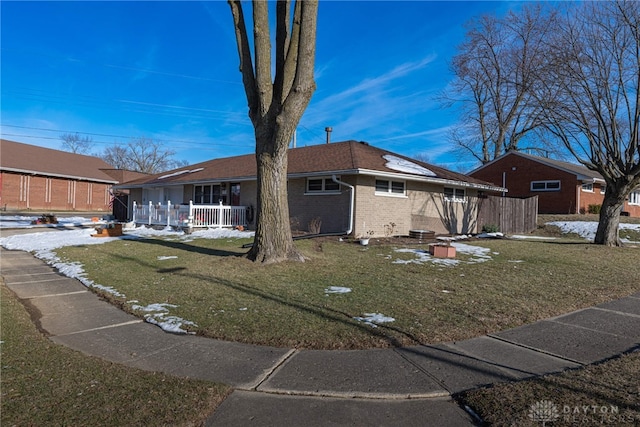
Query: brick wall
(331, 209)
(423, 208)
(32, 192)
(519, 172)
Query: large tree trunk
(273, 241)
(607, 233)
(275, 108)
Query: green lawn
(45, 384)
(288, 305)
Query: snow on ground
(587, 229)
(43, 244)
(337, 290)
(372, 318)
(20, 221)
(523, 237)
(477, 253)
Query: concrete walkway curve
(276, 386)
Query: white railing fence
(189, 216)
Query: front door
(235, 194)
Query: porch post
(150, 208)
(220, 215)
(168, 213)
(190, 217)
(134, 211)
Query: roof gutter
(434, 180)
(351, 202)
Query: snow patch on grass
(372, 318)
(337, 290)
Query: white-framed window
(453, 194)
(387, 187)
(603, 188)
(551, 185)
(634, 198)
(322, 185)
(587, 187)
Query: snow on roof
(403, 165)
(180, 173)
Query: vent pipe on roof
(328, 131)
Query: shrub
(389, 229)
(594, 209)
(490, 228)
(314, 225)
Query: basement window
(545, 185)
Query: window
(322, 185)
(634, 198)
(587, 187)
(545, 185)
(454, 194)
(202, 195)
(603, 188)
(390, 188)
(210, 194)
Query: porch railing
(189, 216)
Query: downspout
(579, 190)
(504, 182)
(336, 180)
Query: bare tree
(142, 155)
(76, 144)
(275, 108)
(494, 72)
(590, 94)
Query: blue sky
(169, 71)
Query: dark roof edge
(368, 172)
(436, 180)
(547, 163)
(79, 178)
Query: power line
(141, 70)
(135, 106)
(60, 131)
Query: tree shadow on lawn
(193, 248)
(313, 309)
(319, 311)
(555, 242)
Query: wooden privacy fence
(512, 215)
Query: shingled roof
(340, 158)
(31, 159)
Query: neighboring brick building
(561, 187)
(377, 191)
(41, 179)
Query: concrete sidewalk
(276, 386)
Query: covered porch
(190, 216)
